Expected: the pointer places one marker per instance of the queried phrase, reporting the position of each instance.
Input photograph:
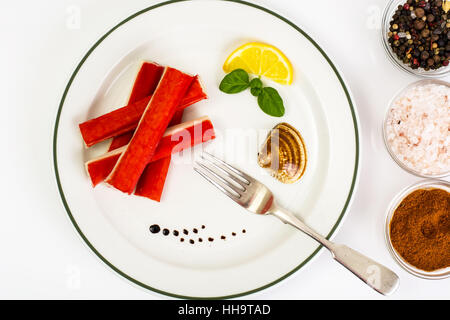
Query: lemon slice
(261, 59)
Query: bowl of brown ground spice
(418, 229)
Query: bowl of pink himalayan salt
(416, 128)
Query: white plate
(196, 37)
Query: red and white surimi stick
(154, 121)
(153, 178)
(190, 133)
(151, 183)
(146, 81)
(144, 85)
(126, 119)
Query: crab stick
(153, 178)
(151, 183)
(144, 85)
(126, 119)
(154, 121)
(190, 133)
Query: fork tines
(231, 181)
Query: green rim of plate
(72, 219)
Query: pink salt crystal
(418, 128)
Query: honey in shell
(283, 153)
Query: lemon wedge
(261, 59)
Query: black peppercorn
(425, 55)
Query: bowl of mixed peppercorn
(416, 36)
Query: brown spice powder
(420, 229)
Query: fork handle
(374, 274)
(377, 276)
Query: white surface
(43, 257)
(117, 225)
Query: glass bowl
(389, 11)
(386, 143)
(425, 184)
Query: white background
(43, 257)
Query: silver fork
(257, 198)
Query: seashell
(283, 153)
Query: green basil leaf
(255, 91)
(270, 102)
(234, 82)
(256, 83)
(256, 86)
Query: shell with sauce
(283, 153)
